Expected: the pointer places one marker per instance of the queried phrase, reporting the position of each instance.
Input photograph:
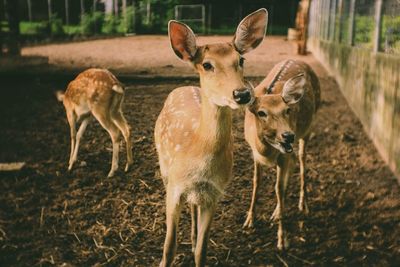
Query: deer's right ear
(183, 40)
(251, 31)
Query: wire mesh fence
(368, 24)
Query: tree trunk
(124, 15)
(67, 12)
(116, 11)
(82, 8)
(138, 17)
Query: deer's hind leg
(120, 121)
(71, 117)
(105, 120)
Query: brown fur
(264, 134)
(193, 132)
(96, 92)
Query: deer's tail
(60, 96)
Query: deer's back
(92, 85)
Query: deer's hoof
(283, 243)
(249, 223)
(276, 215)
(127, 167)
(303, 208)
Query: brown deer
(96, 92)
(193, 131)
(285, 104)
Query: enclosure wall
(369, 79)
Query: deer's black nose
(288, 137)
(242, 96)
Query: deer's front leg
(173, 210)
(251, 213)
(205, 216)
(283, 172)
(303, 191)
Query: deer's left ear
(251, 31)
(293, 89)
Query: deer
(285, 105)
(96, 92)
(193, 132)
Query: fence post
(352, 22)
(49, 8)
(378, 26)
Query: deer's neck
(215, 126)
(266, 150)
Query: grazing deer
(193, 131)
(285, 104)
(96, 91)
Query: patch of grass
(72, 29)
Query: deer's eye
(207, 66)
(241, 62)
(288, 111)
(262, 113)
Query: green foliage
(364, 30)
(391, 34)
(92, 23)
(72, 29)
(34, 28)
(111, 23)
(127, 23)
(56, 26)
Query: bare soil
(51, 217)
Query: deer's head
(220, 66)
(275, 114)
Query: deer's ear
(293, 89)
(183, 40)
(251, 31)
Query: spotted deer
(285, 104)
(96, 92)
(193, 131)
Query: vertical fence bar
(340, 22)
(49, 8)
(378, 26)
(203, 15)
(29, 10)
(328, 19)
(352, 22)
(67, 12)
(332, 15)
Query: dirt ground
(152, 55)
(50, 217)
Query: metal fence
(369, 24)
